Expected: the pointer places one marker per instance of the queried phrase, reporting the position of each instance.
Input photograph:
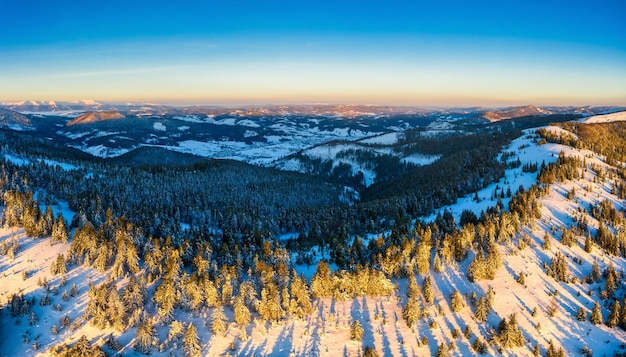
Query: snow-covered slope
(606, 118)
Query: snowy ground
(606, 118)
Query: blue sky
(374, 52)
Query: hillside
(13, 120)
(95, 117)
(514, 112)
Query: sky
(422, 53)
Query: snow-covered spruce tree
(411, 312)
(242, 313)
(613, 319)
(191, 342)
(476, 269)
(482, 311)
(423, 256)
(581, 315)
(300, 296)
(321, 283)
(146, 335)
(218, 322)
(269, 307)
(58, 266)
(59, 230)
(356, 331)
(428, 290)
(547, 244)
(442, 350)
(509, 334)
(596, 314)
(558, 270)
(456, 301)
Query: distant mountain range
(325, 110)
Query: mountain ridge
(94, 117)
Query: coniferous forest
(174, 255)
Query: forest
(206, 237)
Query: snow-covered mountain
(13, 120)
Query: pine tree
(596, 314)
(490, 296)
(613, 320)
(269, 306)
(428, 291)
(83, 348)
(521, 279)
(191, 342)
(356, 331)
(301, 298)
(218, 323)
(509, 333)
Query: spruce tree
(242, 313)
(596, 314)
(547, 244)
(428, 291)
(456, 301)
(356, 331)
(613, 319)
(191, 342)
(146, 336)
(411, 312)
(218, 323)
(581, 315)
